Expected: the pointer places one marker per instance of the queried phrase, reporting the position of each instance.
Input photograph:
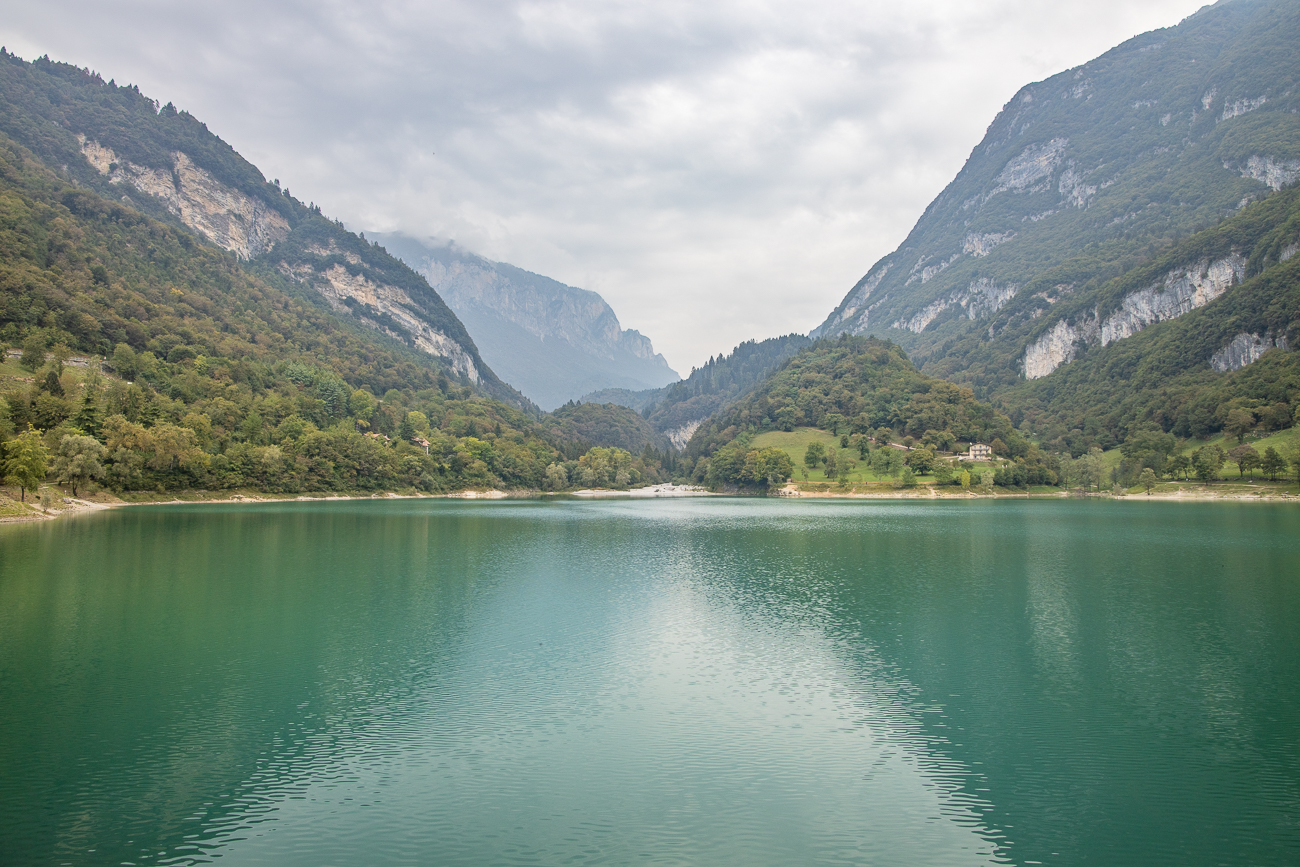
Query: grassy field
(795, 444)
(1284, 441)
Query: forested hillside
(1067, 231)
(862, 387)
(115, 141)
(677, 410)
(1190, 374)
(223, 376)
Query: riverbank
(12, 511)
(1188, 492)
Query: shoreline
(80, 506)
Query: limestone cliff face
(379, 306)
(1089, 173)
(1246, 349)
(553, 342)
(981, 299)
(1180, 291)
(226, 217)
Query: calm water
(708, 682)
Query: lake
(702, 681)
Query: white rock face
(979, 245)
(1181, 291)
(226, 217)
(679, 437)
(856, 311)
(1056, 347)
(981, 298)
(1289, 251)
(1275, 173)
(1245, 349)
(1239, 107)
(1033, 164)
(1072, 187)
(337, 284)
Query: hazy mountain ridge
(553, 341)
(121, 144)
(678, 410)
(1085, 177)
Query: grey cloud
(717, 171)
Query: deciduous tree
(26, 460)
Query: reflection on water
(695, 682)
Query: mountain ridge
(1083, 176)
(553, 341)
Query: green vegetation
(857, 390)
(710, 388)
(1141, 165)
(216, 376)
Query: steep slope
(1084, 177)
(678, 410)
(552, 341)
(121, 144)
(1190, 373)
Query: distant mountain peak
(552, 341)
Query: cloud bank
(717, 171)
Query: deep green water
(709, 682)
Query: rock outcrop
(1180, 291)
(380, 306)
(553, 342)
(1246, 349)
(228, 218)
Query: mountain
(115, 141)
(1080, 218)
(553, 342)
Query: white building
(980, 452)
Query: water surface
(658, 682)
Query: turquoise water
(708, 682)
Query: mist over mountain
(1044, 248)
(551, 341)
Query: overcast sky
(718, 171)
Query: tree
(26, 460)
(557, 478)
(1272, 463)
(1246, 458)
(34, 353)
(909, 478)
(832, 462)
(965, 480)
(61, 354)
(921, 460)
(1207, 461)
(1178, 465)
(51, 383)
(886, 462)
(1240, 422)
(770, 466)
(78, 461)
(814, 456)
(1147, 479)
(1090, 468)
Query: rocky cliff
(1084, 177)
(123, 145)
(554, 342)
